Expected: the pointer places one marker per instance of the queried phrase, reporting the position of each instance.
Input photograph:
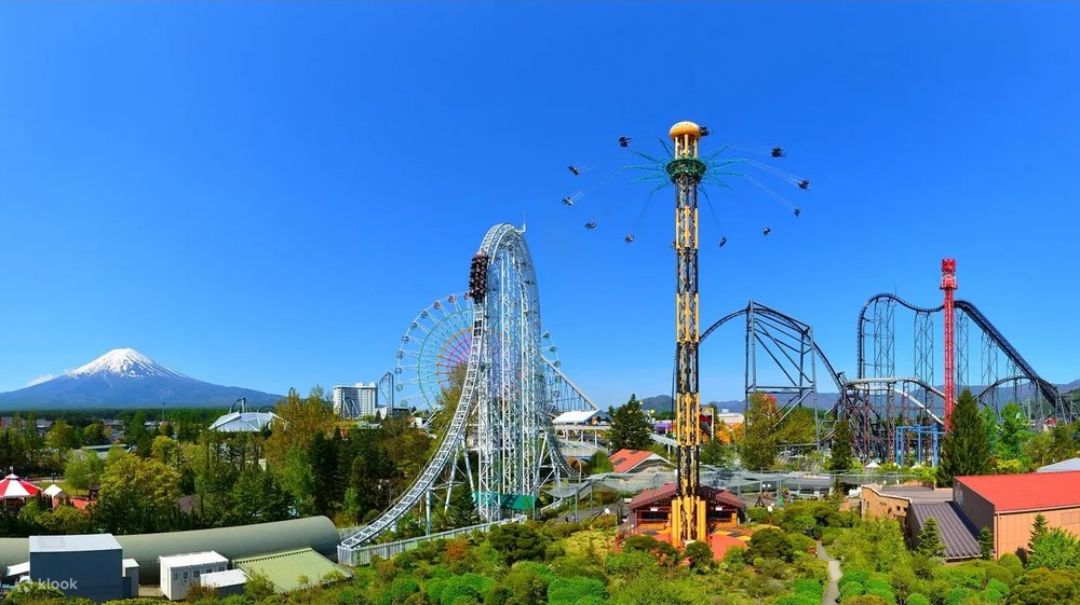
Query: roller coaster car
(624, 141)
(590, 225)
(568, 201)
(804, 184)
(478, 277)
(766, 231)
(777, 152)
(574, 170)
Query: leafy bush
(700, 556)
(917, 599)
(575, 591)
(446, 591)
(630, 563)
(771, 544)
(851, 589)
(995, 591)
(29, 592)
(1012, 563)
(957, 595)
(640, 542)
(801, 543)
(1001, 574)
(517, 542)
(798, 599)
(808, 587)
(759, 514)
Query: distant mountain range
(125, 378)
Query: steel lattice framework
(509, 392)
(686, 170)
(881, 400)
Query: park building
(180, 572)
(89, 566)
(1005, 504)
(356, 401)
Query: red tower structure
(948, 284)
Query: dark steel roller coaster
(892, 413)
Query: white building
(225, 583)
(180, 572)
(356, 401)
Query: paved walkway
(832, 589)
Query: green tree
(630, 427)
(83, 470)
(771, 543)
(95, 433)
(1015, 431)
(715, 453)
(965, 450)
(986, 543)
(1045, 587)
(760, 445)
(840, 456)
(517, 542)
(1038, 530)
(700, 556)
(1055, 549)
(137, 495)
(136, 435)
(301, 420)
(992, 426)
(61, 436)
(798, 426)
(929, 543)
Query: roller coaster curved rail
(837, 377)
(504, 357)
(1046, 388)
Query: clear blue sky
(265, 194)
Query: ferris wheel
(437, 343)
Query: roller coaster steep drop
(503, 414)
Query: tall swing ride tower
(686, 171)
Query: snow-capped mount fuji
(124, 378)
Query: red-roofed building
(653, 506)
(634, 461)
(1008, 504)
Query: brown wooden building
(1008, 505)
(653, 506)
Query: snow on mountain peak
(123, 362)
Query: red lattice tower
(948, 284)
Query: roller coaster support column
(948, 284)
(686, 170)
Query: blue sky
(266, 194)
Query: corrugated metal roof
(956, 534)
(1029, 491)
(624, 461)
(1072, 464)
(574, 417)
(85, 542)
(220, 579)
(286, 569)
(667, 491)
(192, 558)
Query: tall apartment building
(356, 401)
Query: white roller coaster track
(455, 437)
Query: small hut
(57, 495)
